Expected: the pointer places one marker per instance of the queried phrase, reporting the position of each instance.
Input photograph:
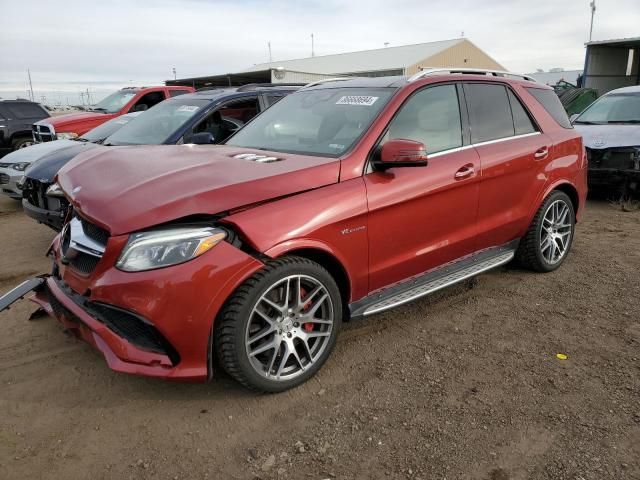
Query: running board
(434, 280)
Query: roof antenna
(313, 53)
(462, 34)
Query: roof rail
(469, 71)
(256, 86)
(325, 80)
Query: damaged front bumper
(614, 167)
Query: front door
(423, 217)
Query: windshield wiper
(98, 109)
(585, 122)
(623, 121)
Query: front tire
(550, 236)
(22, 143)
(280, 326)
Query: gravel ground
(463, 385)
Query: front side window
(325, 121)
(613, 108)
(489, 112)
(114, 102)
(225, 121)
(157, 124)
(432, 117)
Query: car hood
(35, 152)
(72, 118)
(608, 136)
(124, 189)
(45, 167)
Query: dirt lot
(463, 385)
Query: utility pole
(270, 57)
(174, 73)
(593, 12)
(313, 53)
(31, 96)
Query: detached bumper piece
(129, 343)
(20, 291)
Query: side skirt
(434, 280)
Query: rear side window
(27, 110)
(551, 103)
(489, 112)
(521, 120)
(271, 99)
(175, 93)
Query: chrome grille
(82, 244)
(42, 133)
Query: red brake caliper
(308, 327)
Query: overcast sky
(72, 45)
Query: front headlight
(163, 248)
(54, 190)
(20, 166)
(66, 135)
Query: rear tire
(280, 326)
(550, 236)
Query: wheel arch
(564, 186)
(323, 255)
(20, 134)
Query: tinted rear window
(489, 112)
(551, 103)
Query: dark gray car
(610, 127)
(16, 117)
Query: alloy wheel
(289, 328)
(555, 235)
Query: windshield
(323, 122)
(114, 102)
(615, 108)
(101, 132)
(156, 125)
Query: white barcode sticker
(365, 100)
(188, 108)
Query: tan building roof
(389, 58)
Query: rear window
(551, 103)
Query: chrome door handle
(465, 172)
(541, 153)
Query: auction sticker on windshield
(365, 100)
(188, 108)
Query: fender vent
(252, 157)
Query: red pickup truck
(126, 100)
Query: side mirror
(573, 117)
(401, 153)
(202, 138)
(141, 108)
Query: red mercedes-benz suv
(345, 199)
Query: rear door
(423, 217)
(513, 156)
